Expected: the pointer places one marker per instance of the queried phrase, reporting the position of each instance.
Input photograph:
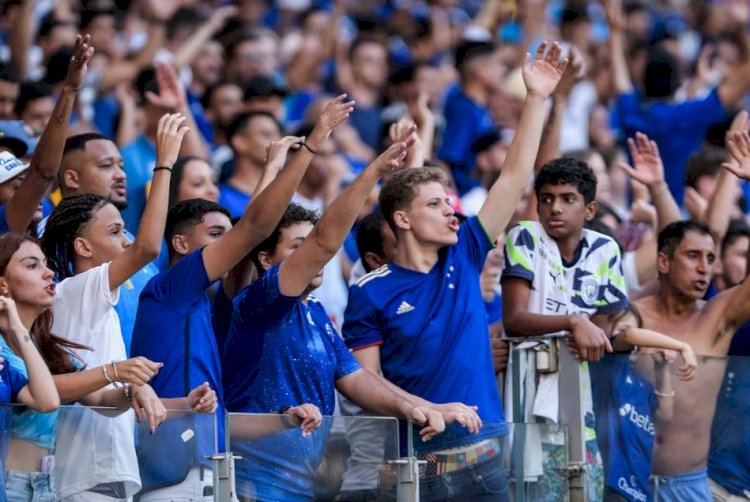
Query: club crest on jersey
(589, 290)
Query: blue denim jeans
(29, 486)
(485, 481)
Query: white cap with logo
(10, 166)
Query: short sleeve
(361, 321)
(262, 302)
(520, 246)
(17, 381)
(345, 362)
(614, 293)
(87, 296)
(474, 241)
(4, 227)
(184, 282)
(702, 112)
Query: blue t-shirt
(233, 199)
(4, 227)
(433, 332)
(678, 128)
(139, 157)
(465, 120)
(11, 383)
(369, 124)
(281, 352)
(729, 457)
(174, 303)
(624, 403)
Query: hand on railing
(202, 399)
(145, 401)
(464, 415)
(305, 416)
(430, 419)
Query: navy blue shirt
(168, 301)
(234, 200)
(433, 333)
(624, 403)
(678, 128)
(729, 457)
(281, 352)
(4, 228)
(465, 120)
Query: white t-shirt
(93, 449)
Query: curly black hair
(567, 171)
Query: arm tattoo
(61, 117)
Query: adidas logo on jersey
(404, 308)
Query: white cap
(10, 166)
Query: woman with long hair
(89, 252)
(28, 291)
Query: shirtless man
(685, 260)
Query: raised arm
(298, 270)
(267, 208)
(40, 393)
(649, 170)
(187, 52)
(718, 212)
(147, 244)
(736, 300)
(172, 97)
(46, 160)
(618, 60)
(541, 77)
(550, 146)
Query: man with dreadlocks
(86, 247)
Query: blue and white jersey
(433, 333)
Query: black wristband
(314, 152)
(283, 409)
(163, 168)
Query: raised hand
(647, 164)
(10, 324)
(420, 112)
(305, 416)
(615, 15)
(221, 15)
(172, 94)
(169, 134)
(82, 54)
(277, 150)
(202, 399)
(335, 113)
(574, 73)
(738, 144)
(694, 202)
(739, 123)
(393, 157)
(542, 75)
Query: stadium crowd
(308, 208)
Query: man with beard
(92, 163)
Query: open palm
(648, 167)
(738, 144)
(542, 75)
